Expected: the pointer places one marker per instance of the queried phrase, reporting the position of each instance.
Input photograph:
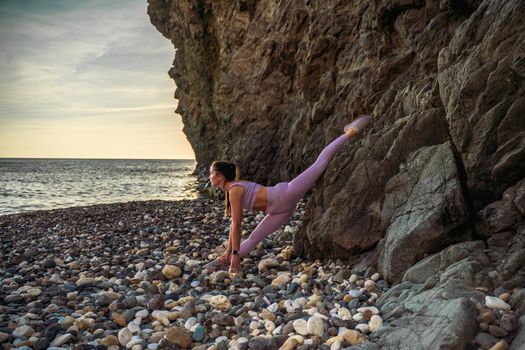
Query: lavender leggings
(283, 197)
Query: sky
(86, 79)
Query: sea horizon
(28, 184)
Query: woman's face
(215, 177)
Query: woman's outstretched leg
(307, 179)
(269, 224)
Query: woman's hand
(235, 264)
(225, 258)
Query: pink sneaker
(357, 125)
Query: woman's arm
(235, 227)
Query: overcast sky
(86, 79)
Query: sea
(41, 184)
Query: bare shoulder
(236, 191)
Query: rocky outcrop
(425, 207)
(268, 84)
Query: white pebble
(375, 276)
(269, 325)
(353, 278)
(133, 327)
(124, 336)
(363, 327)
(273, 307)
(376, 322)
(142, 314)
(315, 326)
(374, 309)
(496, 303)
(190, 322)
(344, 314)
(369, 284)
(336, 345)
(358, 317)
(300, 326)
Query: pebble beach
(130, 275)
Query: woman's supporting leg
(306, 180)
(269, 224)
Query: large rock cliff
(268, 84)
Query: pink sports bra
(250, 191)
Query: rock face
(269, 84)
(425, 207)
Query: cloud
(100, 55)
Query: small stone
(505, 296)
(315, 326)
(124, 336)
(119, 319)
(266, 264)
(199, 333)
(267, 315)
(496, 303)
(156, 303)
(269, 326)
(84, 282)
(109, 341)
(34, 292)
(130, 302)
(485, 340)
(300, 326)
(220, 302)
(373, 309)
(178, 336)
(354, 337)
(134, 326)
(376, 322)
(487, 316)
(161, 316)
(3, 337)
(370, 285)
(142, 313)
(223, 319)
(367, 314)
(497, 331)
(375, 276)
(41, 344)
(501, 345)
(289, 344)
(363, 328)
(61, 340)
(24, 331)
(171, 271)
(509, 322)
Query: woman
(278, 201)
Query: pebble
(315, 326)
(496, 303)
(376, 323)
(24, 331)
(171, 271)
(300, 326)
(124, 336)
(61, 340)
(501, 345)
(220, 302)
(132, 278)
(178, 336)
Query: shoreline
(130, 275)
(93, 206)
